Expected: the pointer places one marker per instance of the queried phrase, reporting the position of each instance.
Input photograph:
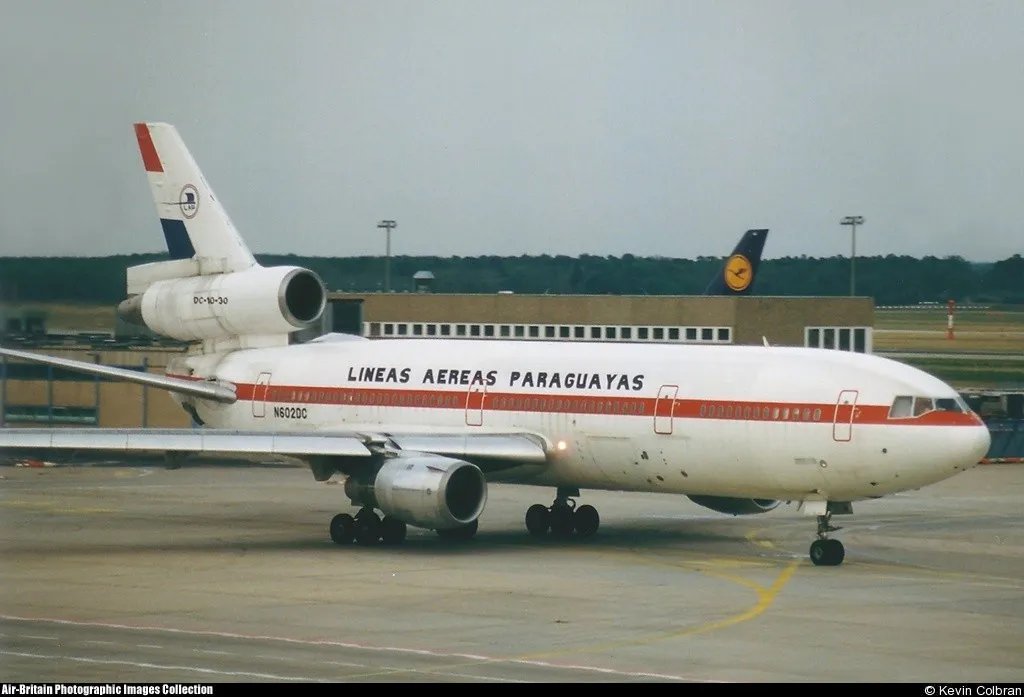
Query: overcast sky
(521, 127)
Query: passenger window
(901, 407)
(923, 405)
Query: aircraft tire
(368, 529)
(561, 522)
(392, 531)
(827, 552)
(586, 520)
(343, 529)
(538, 520)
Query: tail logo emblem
(738, 273)
(188, 201)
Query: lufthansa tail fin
(194, 223)
(737, 275)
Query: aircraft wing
(218, 392)
(486, 450)
(150, 440)
(489, 451)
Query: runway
(226, 573)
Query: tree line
(891, 280)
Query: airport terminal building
(41, 395)
(841, 323)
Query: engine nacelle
(257, 301)
(428, 491)
(726, 504)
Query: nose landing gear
(826, 551)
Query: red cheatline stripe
(722, 410)
(149, 157)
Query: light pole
(387, 225)
(853, 221)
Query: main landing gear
(367, 528)
(562, 517)
(826, 551)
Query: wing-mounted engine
(255, 301)
(732, 506)
(428, 491)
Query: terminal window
(855, 339)
(849, 338)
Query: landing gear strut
(826, 551)
(562, 517)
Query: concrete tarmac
(226, 573)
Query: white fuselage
(738, 421)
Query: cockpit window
(901, 407)
(906, 407)
(923, 405)
(950, 404)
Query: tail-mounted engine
(256, 301)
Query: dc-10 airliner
(420, 427)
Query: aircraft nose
(975, 444)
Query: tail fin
(737, 274)
(194, 223)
